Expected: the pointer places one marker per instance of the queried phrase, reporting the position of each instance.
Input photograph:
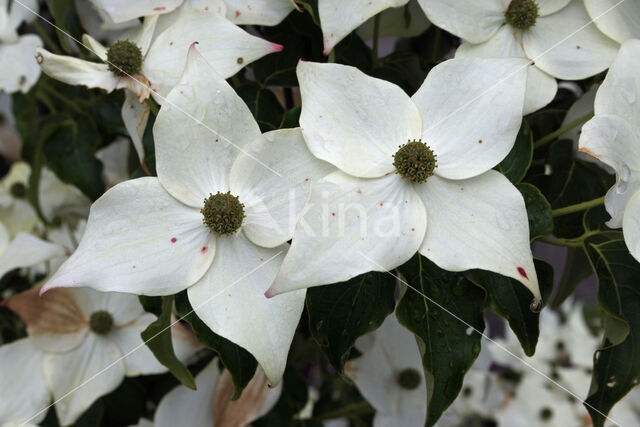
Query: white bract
(338, 18)
(163, 47)
(372, 214)
(147, 236)
(10, 142)
(390, 376)
(211, 404)
(619, 20)
(118, 11)
(19, 70)
(554, 34)
(613, 137)
(55, 198)
(25, 250)
(258, 12)
(73, 336)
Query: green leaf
(66, 19)
(538, 211)
(511, 300)
(292, 400)
(157, 337)
(617, 365)
(576, 269)
(342, 312)
(448, 345)
(517, 162)
(263, 104)
(291, 118)
(310, 6)
(70, 154)
(238, 361)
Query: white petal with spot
(124, 10)
(346, 119)
(76, 71)
(135, 115)
(128, 243)
(200, 132)
(351, 226)
(478, 223)
(230, 300)
(258, 12)
(20, 71)
(471, 112)
(567, 46)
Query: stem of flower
(60, 97)
(376, 41)
(332, 56)
(357, 408)
(578, 241)
(553, 135)
(578, 207)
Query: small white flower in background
(55, 197)
(215, 221)
(25, 250)
(211, 404)
(383, 205)
(19, 71)
(568, 343)
(538, 403)
(533, 29)
(99, 25)
(338, 18)
(80, 331)
(613, 137)
(390, 376)
(619, 20)
(152, 61)
(258, 12)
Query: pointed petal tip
(275, 47)
(270, 293)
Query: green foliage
(616, 367)
(342, 312)
(517, 162)
(157, 337)
(444, 310)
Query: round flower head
(215, 221)
(415, 177)
(555, 35)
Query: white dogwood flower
(152, 61)
(414, 174)
(613, 137)
(211, 403)
(83, 332)
(258, 12)
(338, 18)
(556, 34)
(118, 11)
(19, 71)
(390, 376)
(215, 221)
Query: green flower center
(18, 190)
(101, 322)
(124, 58)
(415, 161)
(545, 414)
(223, 213)
(409, 379)
(522, 14)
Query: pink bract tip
(270, 293)
(275, 47)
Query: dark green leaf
(517, 162)
(538, 211)
(448, 345)
(292, 400)
(263, 104)
(291, 118)
(511, 300)
(66, 19)
(576, 269)
(157, 337)
(70, 154)
(238, 361)
(342, 312)
(617, 366)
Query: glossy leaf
(442, 309)
(517, 162)
(342, 312)
(508, 298)
(538, 211)
(157, 337)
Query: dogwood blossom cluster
(243, 222)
